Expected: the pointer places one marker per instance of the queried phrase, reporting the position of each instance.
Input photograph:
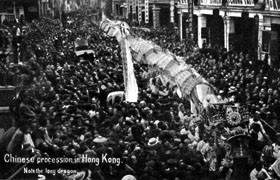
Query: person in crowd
(259, 172)
(257, 131)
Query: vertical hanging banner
(130, 84)
(128, 8)
(134, 9)
(172, 3)
(146, 11)
(139, 11)
(190, 27)
(134, 6)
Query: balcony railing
(244, 3)
(241, 2)
(273, 5)
(7, 16)
(183, 1)
(211, 2)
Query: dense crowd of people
(62, 110)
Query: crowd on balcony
(62, 108)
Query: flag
(131, 87)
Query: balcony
(273, 5)
(160, 1)
(211, 2)
(7, 16)
(270, 5)
(184, 3)
(241, 3)
(225, 3)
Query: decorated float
(81, 47)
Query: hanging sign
(146, 11)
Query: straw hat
(129, 177)
(153, 141)
(232, 89)
(100, 139)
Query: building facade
(16, 9)
(156, 13)
(33, 9)
(252, 26)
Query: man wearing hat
(153, 141)
(232, 94)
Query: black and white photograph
(139, 90)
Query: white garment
(193, 137)
(181, 116)
(212, 166)
(28, 140)
(276, 151)
(254, 173)
(153, 87)
(205, 148)
(11, 146)
(200, 145)
(184, 131)
(18, 32)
